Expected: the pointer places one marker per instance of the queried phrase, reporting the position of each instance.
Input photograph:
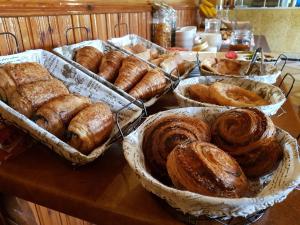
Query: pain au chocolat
(205, 169)
(29, 97)
(162, 136)
(16, 74)
(56, 114)
(90, 127)
(246, 135)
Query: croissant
(90, 127)
(235, 129)
(110, 65)
(29, 97)
(232, 95)
(166, 133)
(56, 114)
(13, 75)
(131, 72)
(153, 83)
(205, 169)
(89, 57)
(260, 158)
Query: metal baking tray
(67, 52)
(126, 113)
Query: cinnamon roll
(165, 134)
(235, 129)
(260, 157)
(205, 169)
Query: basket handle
(14, 37)
(283, 57)
(292, 85)
(118, 26)
(74, 28)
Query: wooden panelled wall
(48, 31)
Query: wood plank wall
(48, 30)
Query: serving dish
(271, 93)
(77, 82)
(270, 189)
(269, 74)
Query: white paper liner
(282, 181)
(77, 82)
(269, 92)
(132, 39)
(67, 52)
(270, 77)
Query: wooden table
(107, 191)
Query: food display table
(107, 191)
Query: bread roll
(165, 134)
(205, 169)
(89, 57)
(153, 83)
(90, 127)
(13, 75)
(29, 97)
(56, 114)
(131, 72)
(200, 93)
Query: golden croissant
(90, 127)
(110, 65)
(89, 57)
(151, 84)
(131, 72)
(56, 114)
(29, 97)
(13, 75)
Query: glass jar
(240, 40)
(212, 25)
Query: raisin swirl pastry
(165, 134)
(243, 134)
(205, 169)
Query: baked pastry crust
(89, 57)
(56, 114)
(90, 127)
(232, 95)
(13, 75)
(200, 93)
(131, 72)
(205, 169)
(165, 134)
(248, 135)
(153, 83)
(29, 97)
(110, 65)
(260, 158)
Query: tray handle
(121, 133)
(117, 26)
(292, 85)
(283, 57)
(17, 50)
(74, 28)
